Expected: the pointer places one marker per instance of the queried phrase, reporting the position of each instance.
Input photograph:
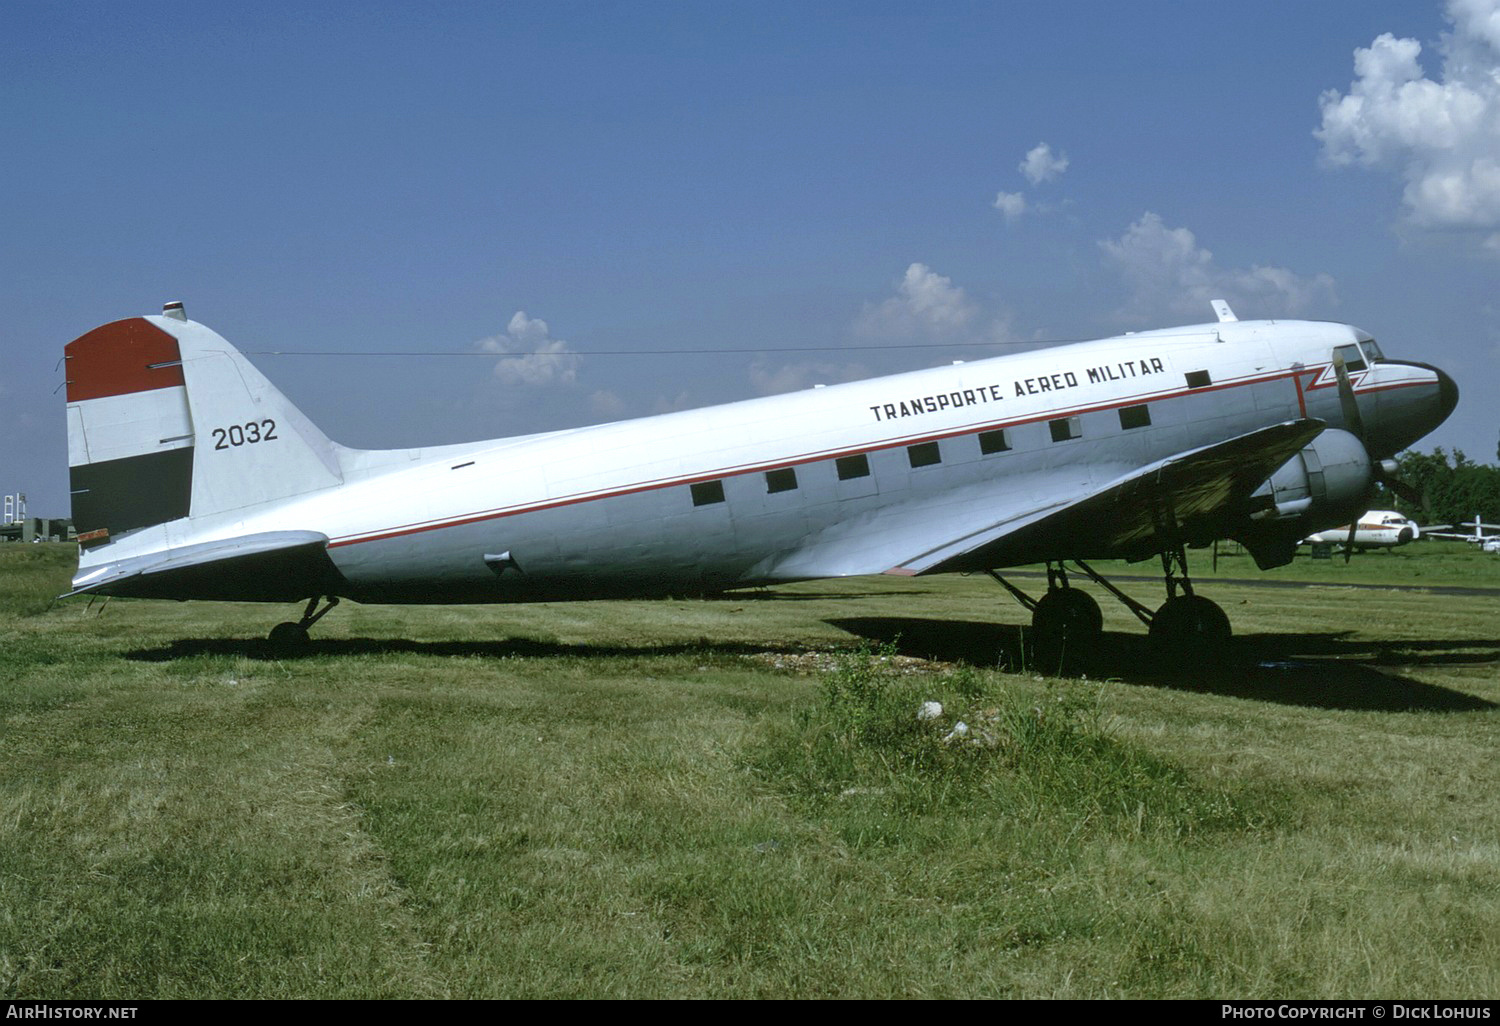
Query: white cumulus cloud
(541, 360)
(1041, 165)
(607, 403)
(926, 304)
(1169, 274)
(1441, 135)
(1011, 204)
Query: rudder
(167, 420)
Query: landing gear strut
(1066, 623)
(1186, 624)
(293, 637)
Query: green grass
(736, 798)
(1425, 563)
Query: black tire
(1065, 626)
(288, 637)
(1190, 625)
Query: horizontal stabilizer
(277, 566)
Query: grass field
(735, 798)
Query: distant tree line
(1451, 488)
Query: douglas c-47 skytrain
(194, 478)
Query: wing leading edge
(1192, 493)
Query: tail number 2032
(244, 434)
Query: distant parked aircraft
(1486, 542)
(1375, 529)
(194, 478)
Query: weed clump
(999, 746)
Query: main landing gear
(1066, 623)
(293, 637)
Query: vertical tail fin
(167, 420)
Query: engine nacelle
(1331, 482)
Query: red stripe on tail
(117, 359)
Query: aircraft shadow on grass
(1317, 670)
(514, 648)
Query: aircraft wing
(1054, 516)
(1475, 532)
(1197, 488)
(277, 566)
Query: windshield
(1354, 360)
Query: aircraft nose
(1447, 394)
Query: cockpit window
(1372, 350)
(1354, 360)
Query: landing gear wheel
(288, 637)
(1190, 625)
(1065, 624)
(293, 637)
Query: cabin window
(706, 493)
(1198, 379)
(1065, 428)
(924, 455)
(993, 441)
(850, 467)
(1135, 416)
(783, 480)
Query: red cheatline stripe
(118, 359)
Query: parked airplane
(1375, 529)
(194, 478)
(1486, 542)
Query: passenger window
(1065, 429)
(1198, 379)
(784, 480)
(706, 493)
(1135, 416)
(850, 467)
(991, 442)
(924, 455)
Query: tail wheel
(288, 637)
(293, 637)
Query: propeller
(1353, 420)
(1384, 470)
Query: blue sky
(581, 179)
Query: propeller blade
(1355, 422)
(1352, 419)
(1408, 493)
(1349, 541)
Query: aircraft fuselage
(831, 481)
